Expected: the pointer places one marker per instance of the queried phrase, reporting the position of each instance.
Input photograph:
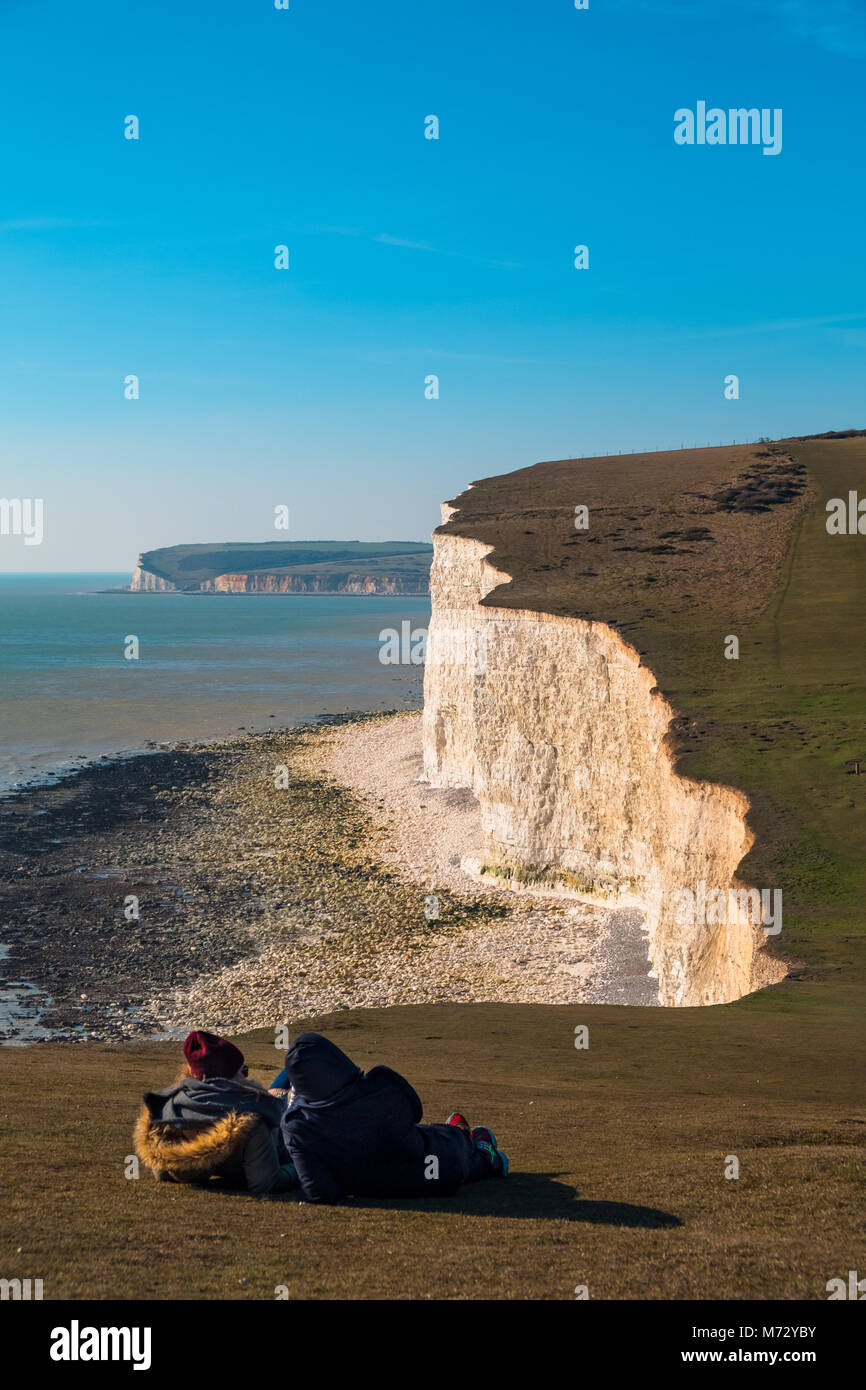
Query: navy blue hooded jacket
(356, 1133)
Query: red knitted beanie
(209, 1055)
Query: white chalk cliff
(556, 726)
(144, 581)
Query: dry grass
(618, 1154)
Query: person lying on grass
(351, 1133)
(214, 1121)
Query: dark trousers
(474, 1162)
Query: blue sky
(408, 256)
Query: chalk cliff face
(144, 582)
(554, 724)
(260, 582)
(265, 582)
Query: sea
(88, 673)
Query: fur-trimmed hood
(188, 1151)
(194, 1152)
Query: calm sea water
(209, 664)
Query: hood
(190, 1101)
(194, 1153)
(318, 1069)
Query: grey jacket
(258, 1165)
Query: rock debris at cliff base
(564, 950)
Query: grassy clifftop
(618, 1165)
(682, 551)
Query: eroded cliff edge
(556, 723)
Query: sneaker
(459, 1120)
(485, 1140)
(482, 1135)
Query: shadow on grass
(523, 1196)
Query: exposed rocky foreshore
(251, 882)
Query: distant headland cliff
(286, 567)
